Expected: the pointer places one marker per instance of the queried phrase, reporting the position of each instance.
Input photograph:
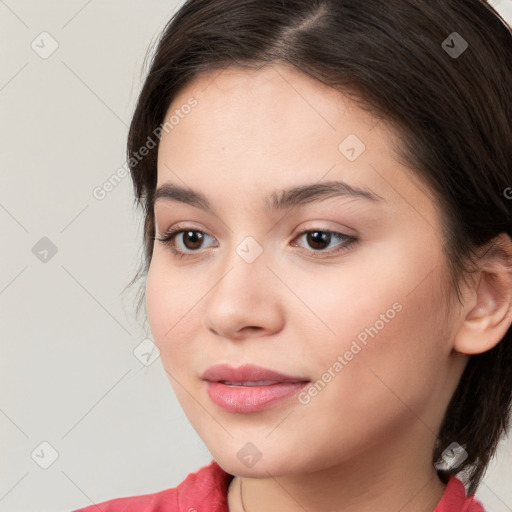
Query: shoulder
(206, 489)
(454, 499)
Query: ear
(488, 307)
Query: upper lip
(246, 372)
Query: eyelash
(168, 239)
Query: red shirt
(206, 491)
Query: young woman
(327, 194)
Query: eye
(192, 240)
(320, 239)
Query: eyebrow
(277, 200)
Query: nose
(246, 301)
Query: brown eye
(320, 239)
(190, 242)
(317, 239)
(192, 239)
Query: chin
(246, 460)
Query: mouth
(249, 388)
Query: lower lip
(250, 398)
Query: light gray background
(69, 376)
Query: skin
(365, 441)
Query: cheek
(376, 377)
(385, 319)
(173, 307)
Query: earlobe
(489, 316)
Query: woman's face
(342, 289)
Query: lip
(246, 372)
(239, 398)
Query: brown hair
(452, 112)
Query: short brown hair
(453, 114)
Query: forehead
(278, 80)
(272, 90)
(261, 130)
(272, 111)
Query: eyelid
(319, 225)
(178, 229)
